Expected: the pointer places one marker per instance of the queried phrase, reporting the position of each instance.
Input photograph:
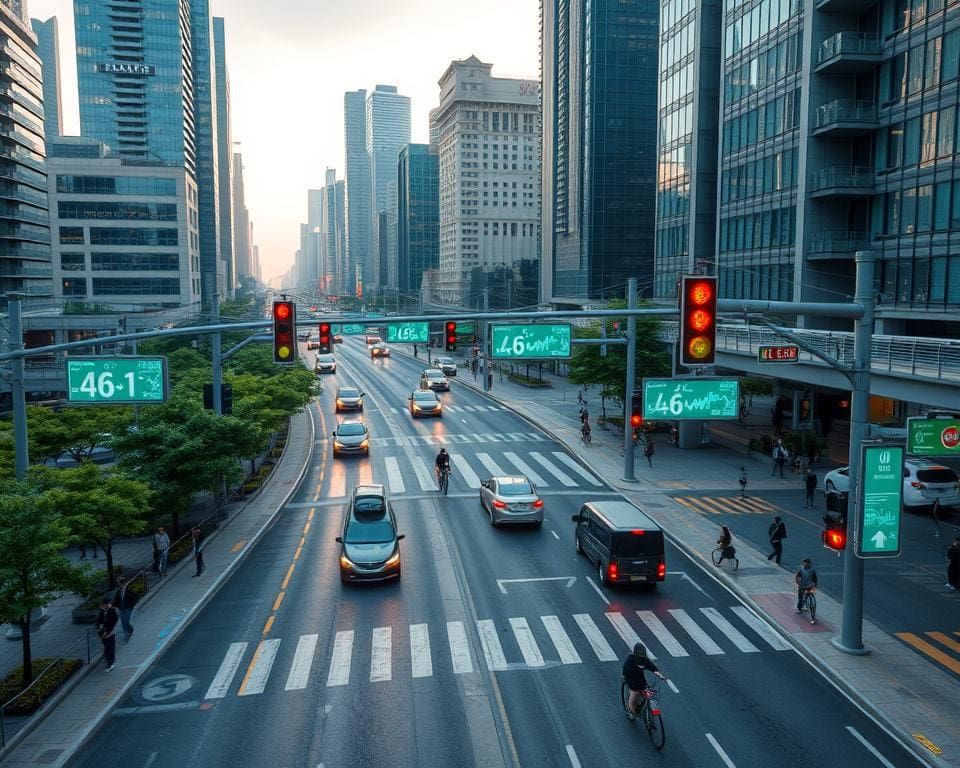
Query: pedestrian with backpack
(777, 533)
(780, 457)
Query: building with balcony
(418, 215)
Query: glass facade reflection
(418, 217)
(224, 156)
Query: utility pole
(217, 360)
(21, 449)
(628, 472)
(485, 368)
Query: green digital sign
(408, 333)
(880, 506)
(933, 437)
(116, 380)
(531, 341)
(694, 398)
(353, 329)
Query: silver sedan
(511, 499)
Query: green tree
(32, 569)
(76, 431)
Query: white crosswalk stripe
(302, 662)
(459, 648)
(260, 667)
(453, 408)
(572, 464)
(492, 650)
(478, 438)
(662, 634)
(494, 438)
(693, 629)
(525, 468)
(380, 666)
(627, 633)
(535, 436)
(426, 478)
(468, 408)
(761, 628)
(225, 674)
(595, 637)
(528, 645)
(490, 464)
(394, 476)
(365, 474)
(461, 465)
(553, 470)
(444, 439)
(340, 662)
(421, 663)
(561, 640)
(734, 634)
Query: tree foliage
(76, 431)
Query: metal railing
(846, 111)
(850, 43)
(857, 176)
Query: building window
(72, 235)
(72, 262)
(74, 286)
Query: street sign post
(880, 500)
(354, 329)
(778, 354)
(116, 380)
(700, 397)
(408, 333)
(531, 341)
(933, 437)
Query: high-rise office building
(242, 244)
(331, 233)
(48, 48)
(224, 153)
(25, 248)
(488, 131)
(388, 130)
(357, 191)
(418, 215)
(599, 75)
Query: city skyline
(286, 151)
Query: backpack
(783, 530)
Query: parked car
(379, 350)
(369, 543)
(423, 402)
(433, 378)
(924, 482)
(351, 437)
(511, 499)
(325, 364)
(446, 365)
(348, 399)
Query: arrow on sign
(879, 539)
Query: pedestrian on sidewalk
(810, 485)
(743, 482)
(779, 458)
(648, 451)
(777, 533)
(953, 565)
(106, 629)
(197, 548)
(124, 600)
(414, 351)
(161, 543)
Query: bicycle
(443, 480)
(649, 711)
(809, 603)
(585, 437)
(718, 555)
(622, 446)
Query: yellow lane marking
(725, 505)
(311, 513)
(279, 600)
(296, 555)
(927, 743)
(286, 579)
(934, 653)
(253, 663)
(306, 528)
(318, 490)
(268, 626)
(239, 545)
(303, 540)
(952, 644)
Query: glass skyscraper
(599, 65)
(418, 215)
(224, 156)
(47, 38)
(357, 190)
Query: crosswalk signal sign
(834, 535)
(698, 321)
(284, 332)
(636, 409)
(450, 336)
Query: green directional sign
(336, 329)
(933, 437)
(408, 333)
(354, 329)
(466, 328)
(879, 507)
(116, 380)
(695, 398)
(530, 341)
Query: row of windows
(771, 282)
(680, 83)
(928, 207)
(116, 262)
(123, 286)
(127, 210)
(675, 47)
(765, 229)
(677, 124)
(119, 236)
(922, 66)
(773, 173)
(674, 163)
(928, 280)
(757, 22)
(673, 241)
(674, 201)
(770, 119)
(918, 140)
(773, 64)
(116, 185)
(897, 14)
(673, 10)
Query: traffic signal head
(834, 535)
(449, 335)
(636, 409)
(284, 332)
(698, 321)
(325, 339)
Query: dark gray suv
(369, 544)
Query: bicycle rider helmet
(639, 651)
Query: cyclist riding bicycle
(585, 432)
(633, 672)
(443, 461)
(725, 542)
(806, 579)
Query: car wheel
(579, 546)
(830, 486)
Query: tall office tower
(688, 142)
(312, 239)
(224, 152)
(341, 268)
(48, 38)
(488, 131)
(599, 75)
(388, 130)
(328, 233)
(357, 190)
(418, 215)
(25, 248)
(257, 268)
(241, 222)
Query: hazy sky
(291, 61)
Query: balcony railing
(846, 111)
(825, 243)
(839, 178)
(852, 43)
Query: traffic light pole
(628, 471)
(217, 360)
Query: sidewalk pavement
(909, 695)
(51, 736)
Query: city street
(497, 647)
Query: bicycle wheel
(445, 482)
(625, 697)
(812, 605)
(717, 556)
(654, 723)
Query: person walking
(161, 542)
(743, 482)
(648, 451)
(777, 533)
(107, 631)
(123, 600)
(810, 486)
(779, 458)
(197, 548)
(953, 565)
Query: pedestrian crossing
(728, 505)
(462, 408)
(465, 438)
(940, 647)
(420, 651)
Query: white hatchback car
(923, 483)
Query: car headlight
(339, 401)
(394, 559)
(416, 407)
(345, 562)
(365, 444)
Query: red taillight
(638, 533)
(538, 503)
(661, 570)
(917, 484)
(612, 571)
(655, 711)
(499, 504)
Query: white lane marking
(662, 634)
(693, 629)
(760, 627)
(444, 439)
(264, 657)
(467, 408)
(453, 408)
(228, 668)
(461, 465)
(627, 632)
(672, 686)
(459, 648)
(537, 438)
(394, 477)
(365, 474)
(723, 755)
(478, 438)
(153, 756)
(426, 478)
(870, 748)
(563, 458)
(571, 753)
(427, 439)
(302, 661)
(554, 534)
(492, 650)
(495, 438)
(734, 634)
(464, 421)
(517, 437)
(490, 464)
(527, 642)
(394, 410)
(598, 590)
(465, 438)
(561, 640)
(340, 662)
(380, 668)
(420, 661)
(571, 580)
(552, 469)
(596, 639)
(525, 468)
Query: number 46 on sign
(116, 380)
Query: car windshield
(325, 358)
(425, 397)
(515, 488)
(348, 393)
(368, 504)
(373, 532)
(936, 475)
(637, 545)
(352, 428)
(435, 374)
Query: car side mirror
(339, 539)
(576, 518)
(401, 536)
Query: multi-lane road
(497, 648)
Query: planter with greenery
(526, 381)
(46, 685)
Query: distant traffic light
(636, 409)
(325, 340)
(698, 321)
(450, 336)
(284, 332)
(834, 535)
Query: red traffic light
(835, 539)
(450, 335)
(281, 310)
(323, 339)
(636, 420)
(698, 320)
(284, 332)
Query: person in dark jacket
(727, 550)
(953, 565)
(633, 672)
(107, 630)
(198, 549)
(123, 600)
(777, 533)
(810, 486)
